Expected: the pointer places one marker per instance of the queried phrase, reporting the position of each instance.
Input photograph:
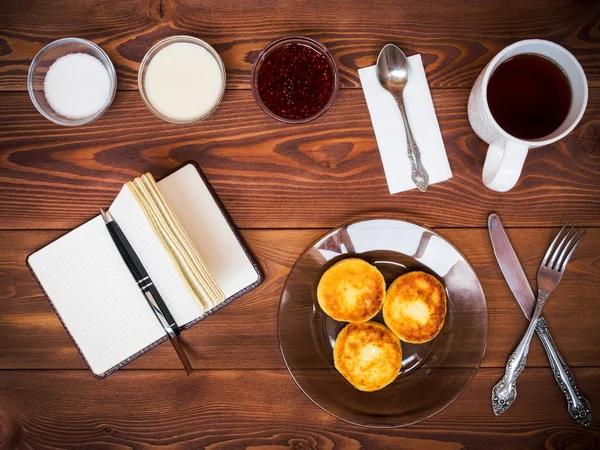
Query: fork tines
(558, 256)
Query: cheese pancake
(415, 307)
(368, 355)
(352, 290)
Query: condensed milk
(182, 79)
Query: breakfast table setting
(357, 224)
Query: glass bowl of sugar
(72, 81)
(182, 79)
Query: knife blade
(510, 266)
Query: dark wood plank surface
(273, 175)
(285, 186)
(456, 39)
(151, 409)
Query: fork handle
(504, 392)
(577, 404)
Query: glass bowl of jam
(295, 79)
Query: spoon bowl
(393, 70)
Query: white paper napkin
(389, 127)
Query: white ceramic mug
(506, 154)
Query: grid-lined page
(92, 290)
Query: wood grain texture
(244, 334)
(456, 41)
(273, 175)
(264, 409)
(285, 185)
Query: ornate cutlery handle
(505, 391)
(418, 173)
(578, 406)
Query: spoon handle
(419, 174)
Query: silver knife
(578, 406)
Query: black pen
(147, 287)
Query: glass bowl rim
(111, 73)
(173, 40)
(316, 45)
(469, 265)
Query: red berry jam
(295, 81)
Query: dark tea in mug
(529, 96)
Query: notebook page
(96, 297)
(192, 203)
(155, 257)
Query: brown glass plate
(433, 374)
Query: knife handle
(578, 406)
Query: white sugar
(77, 86)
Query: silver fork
(549, 275)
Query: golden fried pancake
(368, 355)
(415, 307)
(352, 290)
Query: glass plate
(433, 374)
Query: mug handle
(503, 165)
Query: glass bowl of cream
(182, 79)
(71, 81)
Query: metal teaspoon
(393, 72)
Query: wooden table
(284, 186)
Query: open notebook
(97, 299)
